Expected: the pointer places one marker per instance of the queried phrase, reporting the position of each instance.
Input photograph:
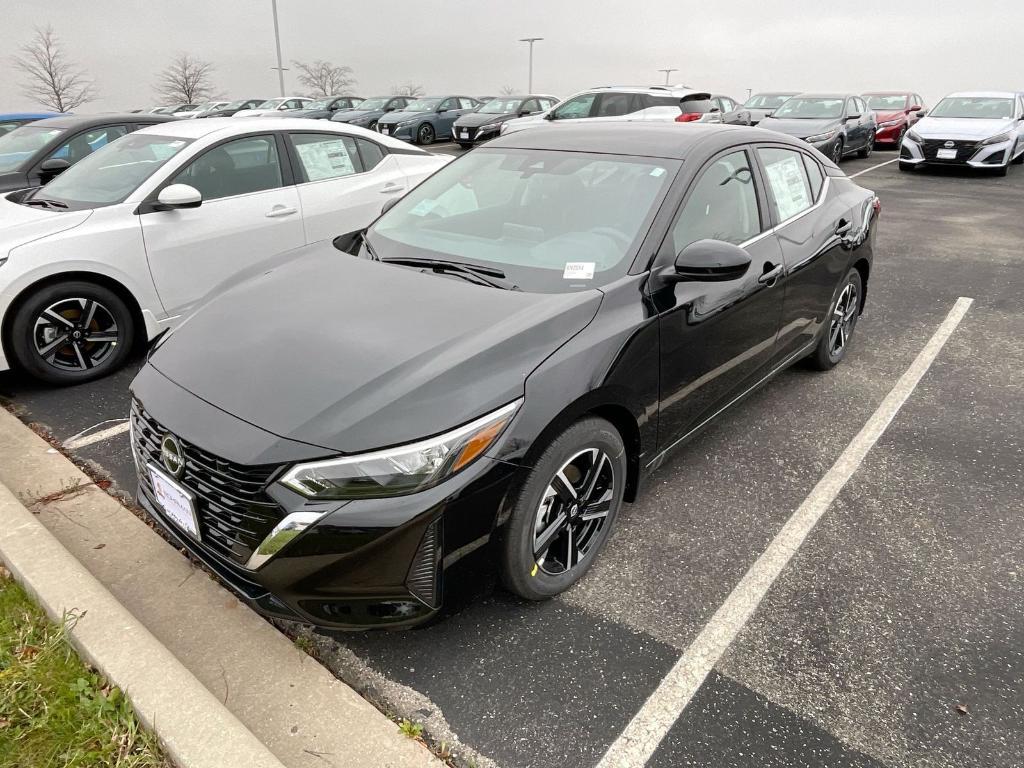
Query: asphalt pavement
(893, 637)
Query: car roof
(666, 140)
(29, 115)
(654, 90)
(833, 95)
(985, 94)
(87, 121)
(886, 93)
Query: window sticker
(787, 180)
(578, 270)
(325, 160)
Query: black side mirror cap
(349, 242)
(709, 261)
(922, 112)
(549, 116)
(54, 166)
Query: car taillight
(689, 117)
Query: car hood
(518, 123)
(476, 119)
(21, 224)
(800, 128)
(344, 115)
(400, 117)
(961, 128)
(253, 112)
(352, 355)
(883, 117)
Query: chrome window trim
(791, 219)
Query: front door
(717, 338)
(248, 214)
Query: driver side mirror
(709, 261)
(54, 166)
(550, 115)
(178, 196)
(855, 116)
(915, 108)
(922, 112)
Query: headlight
(821, 137)
(999, 139)
(913, 136)
(890, 123)
(503, 129)
(404, 124)
(402, 470)
(488, 128)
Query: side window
(727, 104)
(450, 104)
(851, 107)
(814, 176)
(576, 107)
(237, 167)
(84, 144)
(787, 181)
(614, 104)
(326, 156)
(399, 103)
(530, 105)
(721, 206)
(547, 103)
(862, 106)
(370, 153)
(465, 103)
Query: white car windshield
(270, 104)
(553, 222)
(21, 143)
(972, 107)
(810, 109)
(110, 174)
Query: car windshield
(270, 104)
(766, 101)
(110, 174)
(886, 102)
(553, 222)
(318, 104)
(810, 109)
(21, 143)
(372, 104)
(500, 106)
(974, 107)
(421, 105)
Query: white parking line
(634, 747)
(872, 168)
(88, 437)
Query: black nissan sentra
(500, 359)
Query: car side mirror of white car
(178, 196)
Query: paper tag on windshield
(578, 270)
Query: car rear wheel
(865, 151)
(71, 332)
(840, 323)
(836, 155)
(425, 134)
(564, 510)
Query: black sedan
(370, 111)
(35, 153)
(485, 123)
(235, 106)
(325, 109)
(502, 359)
(834, 123)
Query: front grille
(470, 131)
(964, 150)
(235, 513)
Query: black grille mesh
(964, 149)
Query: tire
(425, 134)
(464, 145)
(906, 167)
(865, 151)
(538, 572)
(372, 126)
(1002, 170)
(836, 154)
(36, 333)
(827, 354)
(1019, 160)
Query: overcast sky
(467, 47)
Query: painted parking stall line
(641, 737)
(873, 168)
(88, 437)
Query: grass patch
(54, 710)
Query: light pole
(531, 41)
(277, 41)
(667, 73)
(749, 91)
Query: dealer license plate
(385, 130)
(175, 501)
(946, 154)
(465, 134)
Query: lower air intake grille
(422, 579)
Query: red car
(895, 114)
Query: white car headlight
(402, 470)
(999, 139)
(913, 136)
(821, 136)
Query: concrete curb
(195, 729)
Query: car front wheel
(425, 134)
(564, 510)
(71, 332)
(836, 155)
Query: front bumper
(404, 132)
(475, 135)
(970, 154)
(889, 134)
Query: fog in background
(933, 47)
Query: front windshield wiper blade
(45, 202)
(483, 275)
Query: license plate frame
(177, 503)
(946, 154)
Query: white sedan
(272, 106)
(125, 243)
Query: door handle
(279, 210)
(390, 189)
(768, 278)
(843, 228)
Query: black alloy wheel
(865, 151)
(836, 155)
(840, 323)
(565, 510)
(425, 134)
(372, 126)
(72, 332)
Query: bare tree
(509, 90)
(408, 89)
(52, 80)
(185, 79)
(323, 78)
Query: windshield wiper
(45, 203)
(481, 275)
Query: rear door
(342, 182)
(250, 211)
(615, 105)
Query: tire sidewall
(824, 359)
(518, 561)
(419, 135)
(23, 347)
